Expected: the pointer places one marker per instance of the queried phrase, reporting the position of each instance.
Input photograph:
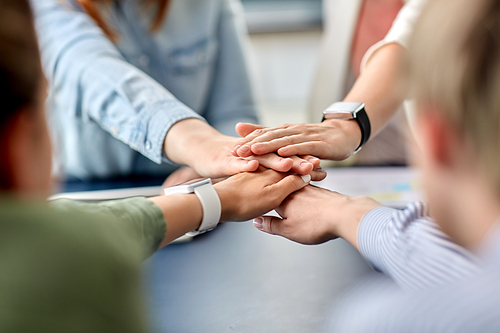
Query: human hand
(315, 215)
(196, 144)
(247, 195)
(332, 139)
(179, 176)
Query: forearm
(182, 213)
(381, 86)
(185, 141)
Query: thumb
(268, 224)
(243, 129)
(290, 184)
(238, 165)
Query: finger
(301, 166)
(238, 165)
(268, 224)
(289, 184)
(318, 174)
(243, 143)
(314, 148)
(275, 162)
(311, 159)
(244, 129)
(271, 141)
(262, 135)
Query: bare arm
(381, 87)
(194, 143)
(243, 197)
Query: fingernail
(312, 159)
(258, 222)
(306, 179)
(258, 145)
(236, 147)
(284, 149)
(305, 163)
(244, 149)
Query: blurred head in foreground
(25, 151)
(455, 76)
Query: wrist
(182, 213)
(354, 210)
(185, 140)
(350, 129)
(227, 199)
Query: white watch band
(211, 207)
(209, 199)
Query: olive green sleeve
(138, 216)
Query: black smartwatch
(351, 110)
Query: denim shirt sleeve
(231, 99)
(93, 80)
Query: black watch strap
(351, 110)
(364, 123)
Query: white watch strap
(211, 206)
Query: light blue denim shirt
(110, 106)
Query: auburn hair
(91, 7)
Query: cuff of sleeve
(369, 232)
(374, 48)
(154, 125)
(147, 220)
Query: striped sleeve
(409, 247)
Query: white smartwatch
(209, 199)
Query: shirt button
(148, 145)
(144, 60)
(115, 131)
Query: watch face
(187, 187)
(343, 110)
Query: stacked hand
(331, 139)
(315, 215)
(267, 164)
(192, 142)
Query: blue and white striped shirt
(411, 248)
(441, 286)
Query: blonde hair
(455, 67)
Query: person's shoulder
(64, 269)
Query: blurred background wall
(285, 38)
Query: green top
(68, 267)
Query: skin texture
(243, 197)
(462, 200)
(180, 176)
(381, 87)
(334, 215)
(194, 143)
